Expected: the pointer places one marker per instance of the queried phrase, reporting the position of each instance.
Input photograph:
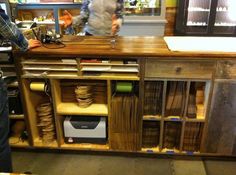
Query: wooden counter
(125, 46)
(181, 102)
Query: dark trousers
(5, 152)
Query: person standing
(9, 31)
(100, 17)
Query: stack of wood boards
(192, 136)
(176, 96)
(150, 134)
(172, 133)
(153, 98)
(125, 123)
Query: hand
(32, 43)
(66, 18)
(115, 25)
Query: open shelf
(109, 68)
(151, 135)
(34, 99)
(172, 135)
(16, 116)
(85, 146)
(44, 67)
(198, 100)
(17, 142)
(192, 136)
(66, 100)
(39, 143)
(74, 109)
(111, 76)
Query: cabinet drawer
(178, 69)
(226, 70)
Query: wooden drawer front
(179, 69)
(226, 70)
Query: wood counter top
(124, 46)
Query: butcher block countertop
(126, 46)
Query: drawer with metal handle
(155, 68)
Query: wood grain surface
(92, 46)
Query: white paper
(5, 48)
(201, 44)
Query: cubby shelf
(151, 150)
(74, 109)
(195, 119)
(152, 117)
(173, 118)
(170, 151)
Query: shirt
(97, 15)
(9, 31)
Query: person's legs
(5, 153)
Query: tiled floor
(82, 164)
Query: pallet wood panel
(178, 69)
(222, 120)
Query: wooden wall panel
(170, 17)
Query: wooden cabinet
(175, 103)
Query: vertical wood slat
(185, 114)
(207, 116)
(141, 63)
(163, 114)
(170, 17)
(19, 72)
(55, 92)
(109, 95)
(125, 127)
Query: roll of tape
(124, 87)
(38, 86)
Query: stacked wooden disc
(46, 122)
(84, 95)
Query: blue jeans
(5, 152)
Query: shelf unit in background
(145, 21)
(43, 9)
(16, 117)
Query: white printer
(84, 129)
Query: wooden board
(222, 121)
